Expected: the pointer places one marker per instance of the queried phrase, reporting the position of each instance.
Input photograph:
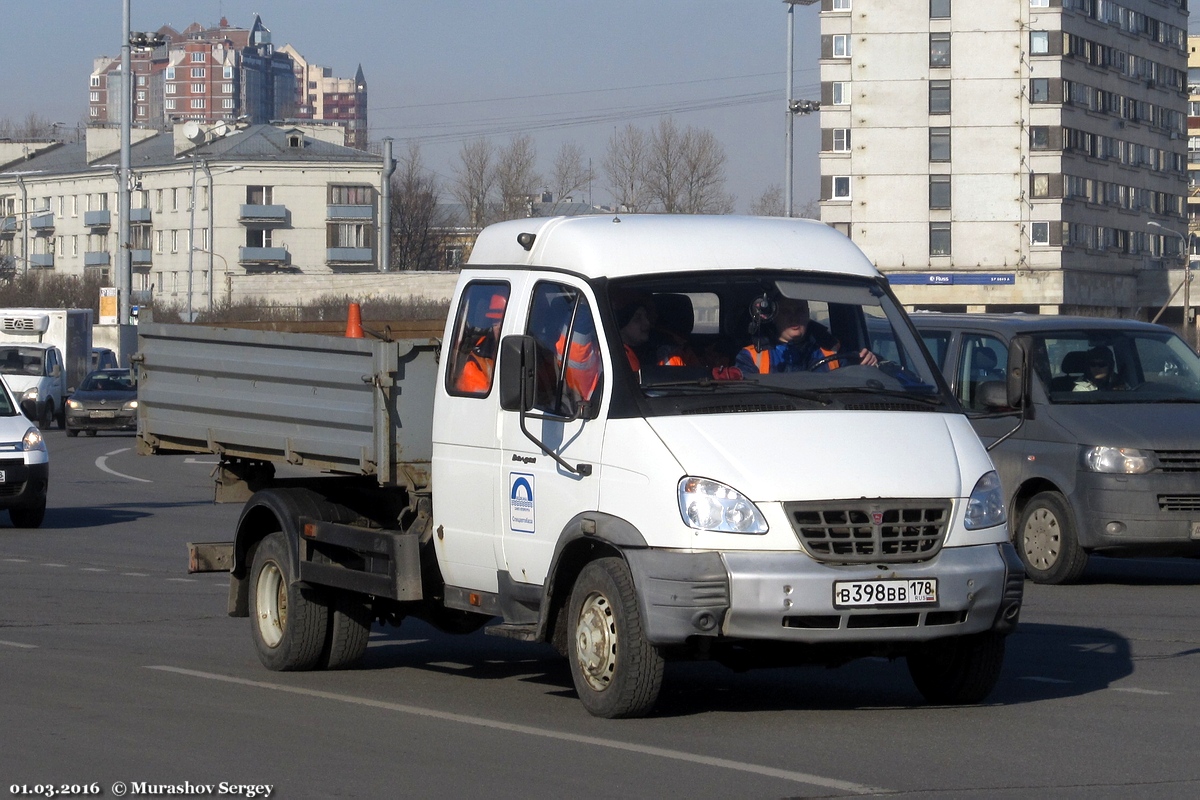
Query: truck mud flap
(210, 556)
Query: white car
(24, 465)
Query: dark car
(1094, 425)
(103, 358)
(106, 400)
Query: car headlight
(75, 404)
(130, 406)
(1118, 460)
(985, 506)
(29, 394)
(32, 440)
(711, 506)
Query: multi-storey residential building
(1193, 81)
(207, 204)
(319, 95)
(1009, 154)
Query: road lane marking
(529, 730)
(18, 560)
(191, 460)
(53, 565)
(102, 465)
(19, 645)
(92, 569)
(136, 574)
(182, 580)
(1134, 690)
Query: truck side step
(524, 633)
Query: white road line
(92, 569)
(191, 460)
(18, 560)
(182, 580)
(53, 565)
(1133, 690)
(102, 465)
(528, 730)
(18, 644)
(136, 574)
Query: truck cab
(34, 374)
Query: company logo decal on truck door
(520, 502)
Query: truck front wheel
(616, 671)
(959, 670)
(289, 625)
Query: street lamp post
(793, 107)
(1186, 255)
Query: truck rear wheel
(616, 671)
(289, 624)
(959, 670)
(349, 629)
(1047, 542)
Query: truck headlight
(985, 506)
(1118, 460)
(711, 506)
(29, 394)
(32, 440)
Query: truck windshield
(1116, 366)
(20, 360)
(710, 342)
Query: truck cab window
(476, 337)
(570, 367)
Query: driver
(795, 344)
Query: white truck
(628, 499)
(44, 354)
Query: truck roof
(623, 245)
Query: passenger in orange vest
(480, 362)
(797, 345)
(634, 323)
(584, 366)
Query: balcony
(356, 213)
(139, 215)
(263, 215)
(42, 260)
(360, 256)
(273, 256)
(42, 223)
(100, 218)
(8, 227)
(96, 259)
(139, 257)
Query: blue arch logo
(521, 502)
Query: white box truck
(581, 460)
(44, 354)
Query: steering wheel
(848, 354)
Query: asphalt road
(118, 667)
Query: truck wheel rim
(272, 605)
(1043, 539)
(596, 642)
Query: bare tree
(570, 174)
(516, 178)
(418, 236)
(810, 210)
(625, 166)
(665, 166)
(769, 203)
(703, 174)
(475, 176)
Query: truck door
(539, 494)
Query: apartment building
(1010, 155)
(321, 96)
(1193, 80)
(208, 203)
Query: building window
(227, 88)
(841, 45)
(939, 238)
(939, 49)
(259, 195)
(227, 73)
(351, 195)
(1039, 184)
(260, 237)
(227, 102)
(939, 191)
(93, 97)
(939, 97)
(1039, 3)
(197, 88)
(939, 9)
(841, 140)
(198, 58)
(1039, 137)
(174, 241)
(93, 112)
(841, 187)
(939, 144)
(169, 104)
(95, 81)
(169, 73)
(1039, 43)
(346, 234)
(840, 5)
(1039, 90)
(197, 102)
(198, 72)
(158, 241)
(169, 88)
(1039, 233)
(841, 93)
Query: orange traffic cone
(354, 322)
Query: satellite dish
(219, 130)
(193, 132)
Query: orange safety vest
(476, 375)
(635, 363)
(763, 358)
(583, 365)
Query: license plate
(904, 592)
(103, 414)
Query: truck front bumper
(788, 597)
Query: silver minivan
(1093, 424)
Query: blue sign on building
(952, 278)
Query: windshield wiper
(742, 386)
(933, 400)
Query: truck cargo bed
(353, 406)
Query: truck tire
(47, 418)
(959, 670)
(616, 671)
(349, 629)
(1046, 541)
(60, 418)
(27, 517)
(289, 624)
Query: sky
(443, 72)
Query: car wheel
(27, 517)
(91, 432)
(72, 431)
(1046, 540)
(288, 623)
(959, 670)
(617, 672)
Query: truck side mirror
(1017, 387)
(518, 372)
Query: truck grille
(868, 531)
(1178, 460)
(1179, 502)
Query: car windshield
(16, 360)
(115, 381)
(1116, 366)
(757, 340)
